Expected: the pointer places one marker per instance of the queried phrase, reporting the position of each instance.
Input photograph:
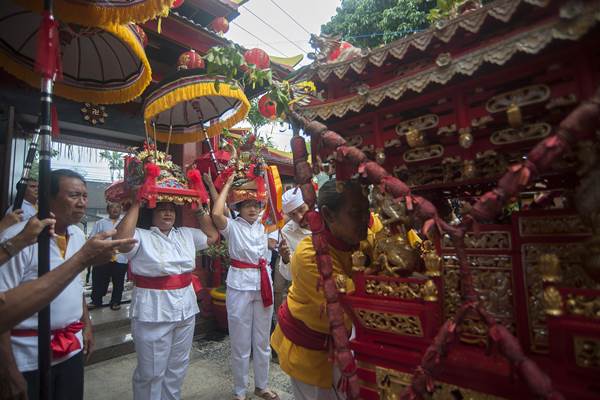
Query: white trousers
(163, 355)
(249, 330)
(304, 391)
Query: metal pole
(44, 355)
(22, 185)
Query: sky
(290, 40)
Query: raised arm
(207, 226)
(126, 227)
(218, 211)
(28, 298)
(212, 190)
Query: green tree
(115, 163)
(370, 23)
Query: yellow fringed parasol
(103, 12)
(103, 66)
(189, 107)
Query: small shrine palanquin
(448, 110)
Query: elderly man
(70, 323)
(292, 233)
(114, 270)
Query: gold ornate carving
(391, 383)
(420, 124)
(553, 225)
(356, 141)
(432, 261)
(521, 97)
(492, 277)
(424, 153)
(395, 289)
(414, 138)
(488, 240)
(571, 261)
(392, 143)
(430, 292)
(393, 255)
(341, 282)
(553, 302)
(399, 324)
(583, 306)
(447, 130)
(562, 101)
(587, 352)
(549, 265)
(527, 132)
(481, 121)
(514, 116)
(359, 261)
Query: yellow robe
(312, 367)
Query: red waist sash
(298, 333)
(64, 341)
(265, 284)
(167, 282)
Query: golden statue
(553, 301)
(393, 255)
(433, 262)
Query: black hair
(329, 197)
(57, 174)
(145, 217)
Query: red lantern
(190, 60)
(141, 34)
(267, 107)
(220, 25)
(177, 3)
(257, 57)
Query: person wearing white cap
(292, 233)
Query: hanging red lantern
(220, 25)
(190, 60)
(267, 107)
(141, 34)
(177, 3)
(257, 57)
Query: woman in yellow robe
(347, 219)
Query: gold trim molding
(587, 352)
(399, 324)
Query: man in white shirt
(71, 327)
(292, 233)
(114, 270)
(30, 199)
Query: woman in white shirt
(163, 305)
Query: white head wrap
(291, 200)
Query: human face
(297, 215)
(114, 210)
(164, 216)
(351, 221)
(249, 210)
(31, 192)
(70, 202)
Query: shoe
(266, 394)
(239, 397)
(115, 307)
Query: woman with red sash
(301, 338)
(163, 303)
(249, 298)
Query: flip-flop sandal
(266, 394)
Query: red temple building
(448, 110)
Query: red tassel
(195, 183)
(47, 61)
(148, 190)
(55, 126)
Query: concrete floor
(208, 377)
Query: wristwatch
(9, 248)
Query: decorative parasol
(188, 107)
(101, 66)
(103, 12)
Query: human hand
(11, 218)
(284, 252)
(12, 384)
(99, 249)
(88, 340)
(34, 227)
